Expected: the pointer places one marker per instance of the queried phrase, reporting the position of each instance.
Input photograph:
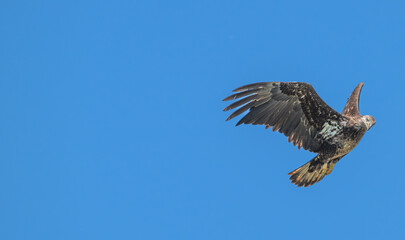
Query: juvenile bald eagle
(296, 110)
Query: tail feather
(313, 171)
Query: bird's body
(296, 110)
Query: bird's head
(368, 120)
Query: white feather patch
(330, 129)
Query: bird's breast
(349, 141)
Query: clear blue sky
(111, 122)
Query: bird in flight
(297, 111)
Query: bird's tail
(313, 171)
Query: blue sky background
(112, 127)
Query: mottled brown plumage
(296, 110)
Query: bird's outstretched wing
(292, 108)
(352, 105)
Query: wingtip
(226, 109)
(227, 99)
(359, 87)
